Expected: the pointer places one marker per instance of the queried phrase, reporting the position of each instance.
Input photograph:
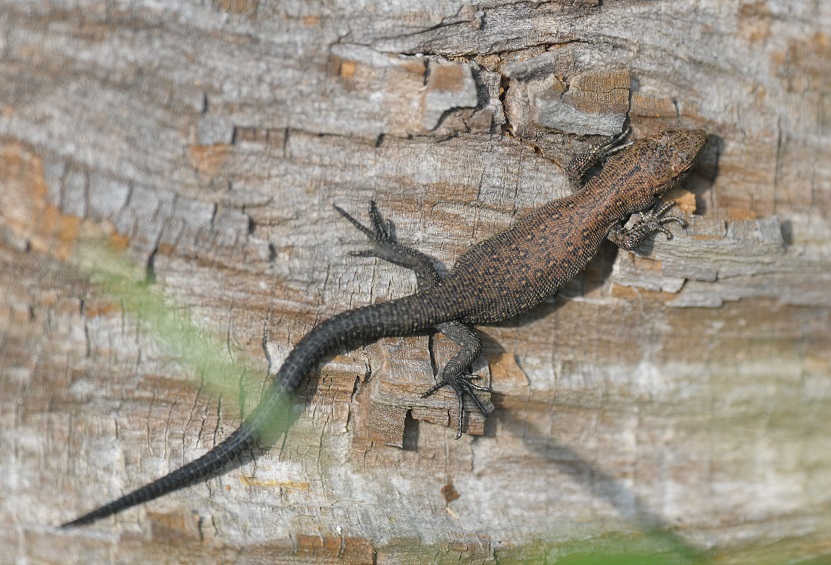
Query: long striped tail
(353, 327)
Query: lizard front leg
(577, 168)
(456, 373)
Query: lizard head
(651, 166)
(675, 152)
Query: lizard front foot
(462, 385)
(649, 222)
(577, 168)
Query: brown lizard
(495, 279)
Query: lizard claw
(666, 220)
(363, 253)
(381, 235)
(462, 386)
(655, 219)
(382, 231)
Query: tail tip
(80, 521)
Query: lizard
(495, 279)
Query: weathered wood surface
(686, 389)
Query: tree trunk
(673, 400)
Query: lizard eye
(682, 158)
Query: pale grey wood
(686, 386)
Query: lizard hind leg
(456, 373)
(385, 246)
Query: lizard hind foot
(382, 237)
(462, 385)
(384, 245)
(382, 231)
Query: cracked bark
(685, 387)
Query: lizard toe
(462, 386)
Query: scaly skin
(494, 280)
